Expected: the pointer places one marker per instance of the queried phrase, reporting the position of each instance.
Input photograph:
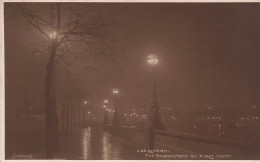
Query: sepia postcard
(130, 80)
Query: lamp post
(154, 115)
(88, 118)
(80, 113)
(115, 120)
(84, 111)
(105, 112)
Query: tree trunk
(51, 119)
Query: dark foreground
(90, 143)
(25, 140)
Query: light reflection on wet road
(93, 143)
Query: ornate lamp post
(154, 115)
(115, 120)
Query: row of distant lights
(107, 109)
(172, 108)
(169, 108)
(248, 118)
(34, 116)
(134, 115)
(213, 118)
(209, 107)
(242, 118)
(141, 109)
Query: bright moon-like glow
(115, 91)
(153, 59)
(53, 35)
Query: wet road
(93, 143)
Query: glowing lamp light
(152, 60)
(106, 101)
(85, 102)
(53, 35)
(115, 91)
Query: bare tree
(70, 33)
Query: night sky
(208, 54)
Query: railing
(200, 144)
(209, 139)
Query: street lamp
(53, 35)
(84, 111)
(152, 60)
(154, 115)
(106, 101)
(115, 91)
(115, 121)
(105, 112)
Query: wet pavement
(93, 143)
